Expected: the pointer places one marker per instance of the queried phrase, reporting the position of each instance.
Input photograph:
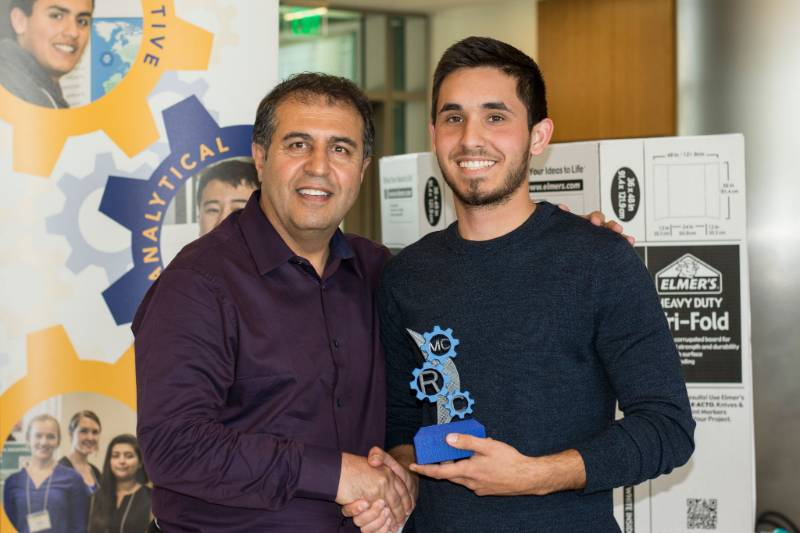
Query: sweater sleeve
(635, 345)
(403, 412)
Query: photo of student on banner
(45, 495)
(84, 432)
(205, 201)
(49, 38)
(123, 501)
(223, 188)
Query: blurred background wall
(739, 71)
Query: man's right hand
(375, 517)
(361, 481)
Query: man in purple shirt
(260, 376)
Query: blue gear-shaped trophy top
(196, 141)
(452, 342)
(421, 394)
(461, 413)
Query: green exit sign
(304, 21)
(307, 26)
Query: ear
(431, 134)
(19, 21)
(259, 157)
(541, 134)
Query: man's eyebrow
(66, 11)
(212, 201)
(450, 107)
(500, 106)
(345, 140)
(297, 134)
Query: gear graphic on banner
(54, 369)
(168, 43)
(66, 223)
(77, 190)
(196, 141)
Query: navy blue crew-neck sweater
(557, 321)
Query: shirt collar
(268, 248)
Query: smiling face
(43, 439)
(220, 199)
(481, 136)
(55, 33)
(86, 436)
(124, 462)
(313, 168)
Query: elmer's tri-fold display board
(683, 199)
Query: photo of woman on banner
(123, 502)
(44, 495)
(223, 188)
(84, 432)
(49, 38)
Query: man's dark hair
(27, 6)
(305, 87)
(234, 172)
(475, 52)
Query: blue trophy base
(430, 446)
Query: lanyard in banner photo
(127, 510)
(39, 521)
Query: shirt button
(335, 343)
(339, 402)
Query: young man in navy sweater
(557, 319)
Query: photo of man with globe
(49, 39)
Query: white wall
(739, 71)
(512, 21)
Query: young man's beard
(474, 197)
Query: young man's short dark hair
(25, 5)
(233, 172)
(306, 86)
(474, 52)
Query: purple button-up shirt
(254, 375)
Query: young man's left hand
(498, 469)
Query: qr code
(701, 513)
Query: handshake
(378, 491)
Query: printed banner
(124, 126)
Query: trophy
(437, 381)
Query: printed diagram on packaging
(694, 194)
